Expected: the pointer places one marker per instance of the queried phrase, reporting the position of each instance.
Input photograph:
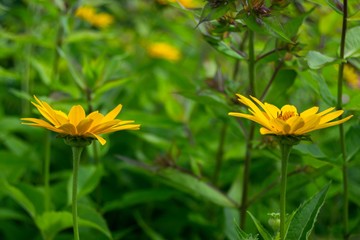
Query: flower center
(285, 115)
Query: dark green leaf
(305, 216)
(263, 232)
(352, 139)
(282, 82)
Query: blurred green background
(180, 176)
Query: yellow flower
(85, 12)
(191, 3)
(164, 51)
(287, 121)
(77, 124)
(351, 76)
(100, 20)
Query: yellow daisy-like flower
(351, 76)
(164, 51)
(100, 20)
(76, 124)
(287, 120)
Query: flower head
(100, 20)
(76, 124)
(164, 51)
(287, 121)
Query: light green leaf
(352, 42)
(263, 232)
(91, 218)
(195, 186)
(305, 216)
(318, 60)
(222, 47)
(51, 223)
(88, 178)
(352, 139)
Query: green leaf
(209, 12)
(43, 70)
(263, 232)
(282, 82)
(270, 26)
(129, 199)
(314, 151)
(322, 89)
(318, 60)
(18, 197)
(51, 223)
(72, 64)
(352, 139)
(195, 186)
(222, 47)
(91, 218)
(88, 178)
(352, 43)
(293, 25)
(305, 216)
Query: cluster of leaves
(180, 176)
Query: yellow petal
(101, 128)
(41, 123)
(330, 116)
(265, 131)
(76, 114)
(123, 127)
(295, 122)
(273, 109)
(84, 126)
(325, 111)
(309, 126)
(248, 116)
(112, 114)
(309, 112)
(269, 111)
(330, 124)
(69, 129)
(99, 138)
(289, 108)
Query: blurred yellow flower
(100, 20)
(287, 121)
(191, 3)
(164, 51)
(76, 124)
(351, 76)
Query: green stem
(250, 137)
(285, 152)
(251, 63)
(341, 128)
(76, 160)
(47, 170)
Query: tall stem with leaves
(250, 137)
(341, 128)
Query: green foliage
(182, 175)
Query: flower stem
(47, 171)
(285, 152)
(341, 128)
(251, 63)
(76, 160)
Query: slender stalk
(251, 63)
(250, 137)
(47, 170)
(267, 88)
(341, 128)
(285, 152)
(76, 160)
(246, 176)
